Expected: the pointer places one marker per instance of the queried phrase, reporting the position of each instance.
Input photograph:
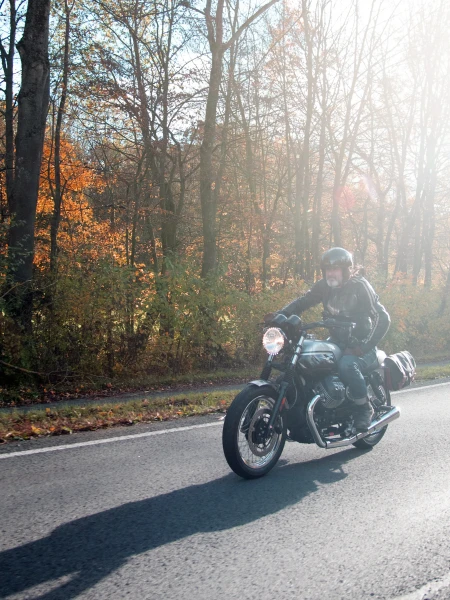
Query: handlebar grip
(328, 323)
(341, 324)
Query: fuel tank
(319, 355)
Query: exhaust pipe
(387, 418)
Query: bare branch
(247, 23)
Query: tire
(245, 418)
(375, 392)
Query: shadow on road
(92, 547)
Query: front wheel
(250, 451)
(378, 394)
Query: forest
(172, 170)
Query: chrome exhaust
(388, 417)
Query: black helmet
(337, 257)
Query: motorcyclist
(348, 296)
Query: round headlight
(273, 340)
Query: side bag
(400, 369)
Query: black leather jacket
(355, 301)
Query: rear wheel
(250, 450)
(378, 396)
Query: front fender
(262, 382)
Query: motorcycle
(307, 403)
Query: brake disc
(257, 439)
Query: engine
(331, 390)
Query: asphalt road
(160, 516)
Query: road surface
(153, 512)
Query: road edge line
(107, 440)
(160, 432)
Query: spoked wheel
(377, 393)
(250, 450)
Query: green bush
(418, 323)
(107, 321)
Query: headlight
(273, 340)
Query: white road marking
(108, 440)
(425, 591)
(422, 387)
(159, 432)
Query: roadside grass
(66, 420)
(434, 372)
(30, 394)
(62, 420)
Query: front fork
(265, 373)
(279, 405)
(280, 402)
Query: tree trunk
(306, 167)
(58, 192)
(207, 199)
(429, 218)
(170, 221)
(445, 295)
(8, 69)
(215, 29)
(33, 102)
(317, 207)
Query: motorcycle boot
(362, 414)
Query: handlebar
(280, 320)
(329, 324)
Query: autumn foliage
(310, 144)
